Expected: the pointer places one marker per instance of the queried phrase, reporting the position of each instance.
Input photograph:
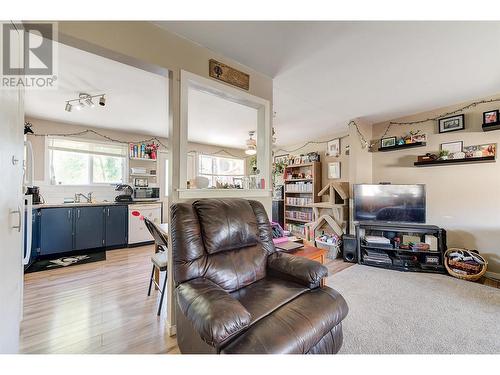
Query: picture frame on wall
(333, 147)
(451, 124)
(490, 117)
(388, 142)
(281, 159)
(452, 147)
(416, 138)
(334, 170)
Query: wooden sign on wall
(229, 75)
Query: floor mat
(66, 261)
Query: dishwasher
(137, 231)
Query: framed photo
(388, 142)
(452, 147)
(490, 117)
(419, 138)
(451, 124)
(478, 151)
(281, 159)
(333, 148)
(334, 170)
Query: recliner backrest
(225, 240)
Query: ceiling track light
(83, 100)
(251, 144)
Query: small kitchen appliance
(34, 191)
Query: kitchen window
(78, 162)
(222, 170)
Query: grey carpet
(394, 312)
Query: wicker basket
(460, 276)
(333, 249)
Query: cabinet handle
(69, 214)
(19, 218)
(108, 211)
(78, 214)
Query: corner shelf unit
(147, 165)
(298, 193)
(487, 159)
(403, 146)
(402, 259)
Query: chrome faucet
(88, 197)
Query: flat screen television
(393, 203)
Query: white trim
(264, 131)
(492, 275)
(224, 193)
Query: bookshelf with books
(302, 185)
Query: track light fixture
(251, 144)
(83, 100)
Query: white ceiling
(136, 100)
(326, 73)
(217, 121)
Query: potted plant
(443, 154)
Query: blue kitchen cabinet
(116, 225)
(89, 227)
(56, 230)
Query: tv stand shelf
(394, 258)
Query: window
(77, 162)
(222, 170)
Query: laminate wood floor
(102, 307)
(99, 307)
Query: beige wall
(148, 44)
(463, 199)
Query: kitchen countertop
(85, 204)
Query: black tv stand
(391, 256)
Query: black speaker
(350, 248)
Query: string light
(84, 132)
(435, 118)
(364, 142)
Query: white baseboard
(492, 275)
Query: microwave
(146, 194)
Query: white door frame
(11, 214)
(264, 133)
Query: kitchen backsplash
(54, 194)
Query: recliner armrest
(214, 314)
(302, 270)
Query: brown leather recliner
(236, 294)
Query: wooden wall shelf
(490, 127)
(485, 159)
(400, 147)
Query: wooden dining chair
(159, 259)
